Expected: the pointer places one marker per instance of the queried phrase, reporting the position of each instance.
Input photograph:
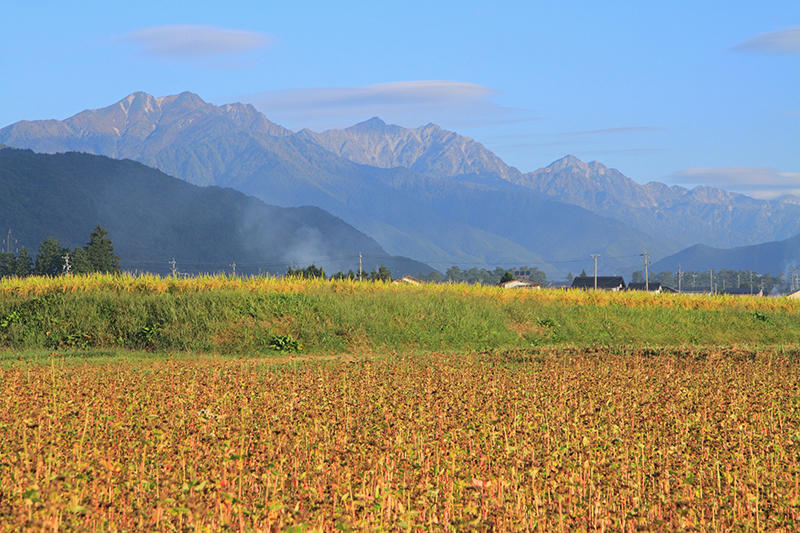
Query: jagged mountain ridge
(676, 215)
(144, 128)
(428, 149)
(153, 217)
(699, 215)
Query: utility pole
(595, 256)
(694, 280)
(679, 279)
(67, 268)
(711, 281)
(233, 265)
(739, 280)
(646, 276)
(174, 270)
(751, 282)
(359, 267)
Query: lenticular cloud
(190, 41)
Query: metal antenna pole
(595, 256)
(646, 276)
(67, 268)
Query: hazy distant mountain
(467, 219)
(673, 213)
(428, 149)
(153, 217)
(770, 257)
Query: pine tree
(101, 251)
(81, 264)
(24, 263)
(8, 264)
(50, 259)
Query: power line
(595, 256)
(646, 277)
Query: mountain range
(426, 193)
(153, 218)
(677, 216)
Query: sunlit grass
(145, 283)
(260, 315)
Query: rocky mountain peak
(370, 125)
(428, 149)
(567, 163)
(430, 127)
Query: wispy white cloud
(760, 182)
(195, 42)
(775, 42)
(605, 131)
(628, 151)
(404, 102)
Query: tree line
(486, 277)
(313, 271)
(54, 259)
(722, 279)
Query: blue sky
(682, 92)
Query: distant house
(520, 284)
(606, 283)
(408, 280)
(653, 286)
(794, 295)
(741, 292)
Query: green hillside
(152, 218)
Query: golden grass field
(128, 283)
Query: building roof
(653, 286)
(603, 282)
(408, 279)
(519, 284)
(742, 291)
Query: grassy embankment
(257, 315)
